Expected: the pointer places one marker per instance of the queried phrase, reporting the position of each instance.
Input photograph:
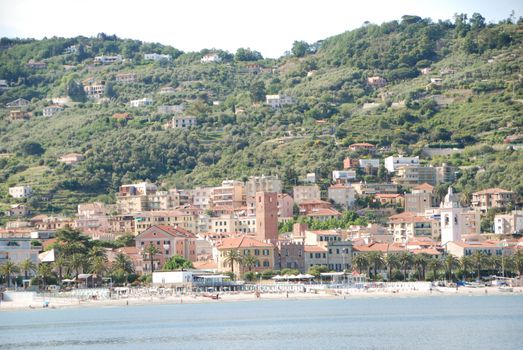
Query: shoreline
(227, 297)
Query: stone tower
(451, 220)
(267, 216)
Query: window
(265, 263)
(246, 252)
(266, 252)
(256, 252)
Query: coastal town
(240, 233)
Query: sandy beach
(226, 297)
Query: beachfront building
(245, 246)
(168, 241)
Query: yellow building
(245, 246)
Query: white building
(276, 101)
(310, 178)
(157, 57)
(262, 184)
(211, 57)
(94, 90)
(373, 163)
(393, 163)
(141, 102)
(505, 224)
(49, 111)
(181, 122)
(343, 175)
(451, 223)
(306, 193)
(20, 191)
(108, 59)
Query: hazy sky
(269, 26)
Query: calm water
(386, 323)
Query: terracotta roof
(424, 186)
(122, 116)
(325, 232)
(492, 191)
(242, 242)
(378, 247)
(388, 195)
(362, 144)
(313, 201)
(408, 217)
(314, 249)
(160, 213)
(429, 251)
(175, 231)
(205, 265)
(324, 212)
(475, 244)
(339, 186)
(129, 250)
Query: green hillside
(477, 104)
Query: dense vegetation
(482, 95)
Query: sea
(450, 322)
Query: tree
(76, 263)
(465, 264)
(27, 266)
(98, 265)
(405, 260)
(249, 261)
(317, 270)
(300, 48)
(257, 91)
(75, 90)
(421, 261)
(177, 262)
(450, 262)
(109, 90)
(32, 148)
(478, 259)
(518, 262)
(247, 55)
(391, 260)
(375, 259)
(7, 269)
(45, 271)
(123, 263)
(232, 257)
(477, 21)
(152, 251)
(434, 265)
(360, 261)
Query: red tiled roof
(314, 249)
(205, 265)
(424, 186)
(324, 212)
(388, 195)
(242, 242)
(492, 191)
(429, 251)
(378, 247)
(362, 144)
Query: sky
(269, 26)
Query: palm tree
(375, 260)
(360, 261)
(421, 261)
(76, 263)
(123, 263)
(249, 261)
(434, 265)
(152, 251)
(27, 266)
(517, 260)
(405, 259)
(231, 257)
(59, 264)
(465, 264)
(450, 263)
(391, 261)
(44, 272)
(98, 265)
(478, 259)
(7, 269)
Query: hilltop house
(108, 59)
(20, 191)
(18, 115)
(94, 91)
(19, 103)
(277, 101)
(181, 122)
(157, 57)
(71, 158)
(122, 116)
(376, 81)
(49, 111)
(125, 77)
(492, 198)
(211, 57)
(141, 102)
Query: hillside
(474, 102)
